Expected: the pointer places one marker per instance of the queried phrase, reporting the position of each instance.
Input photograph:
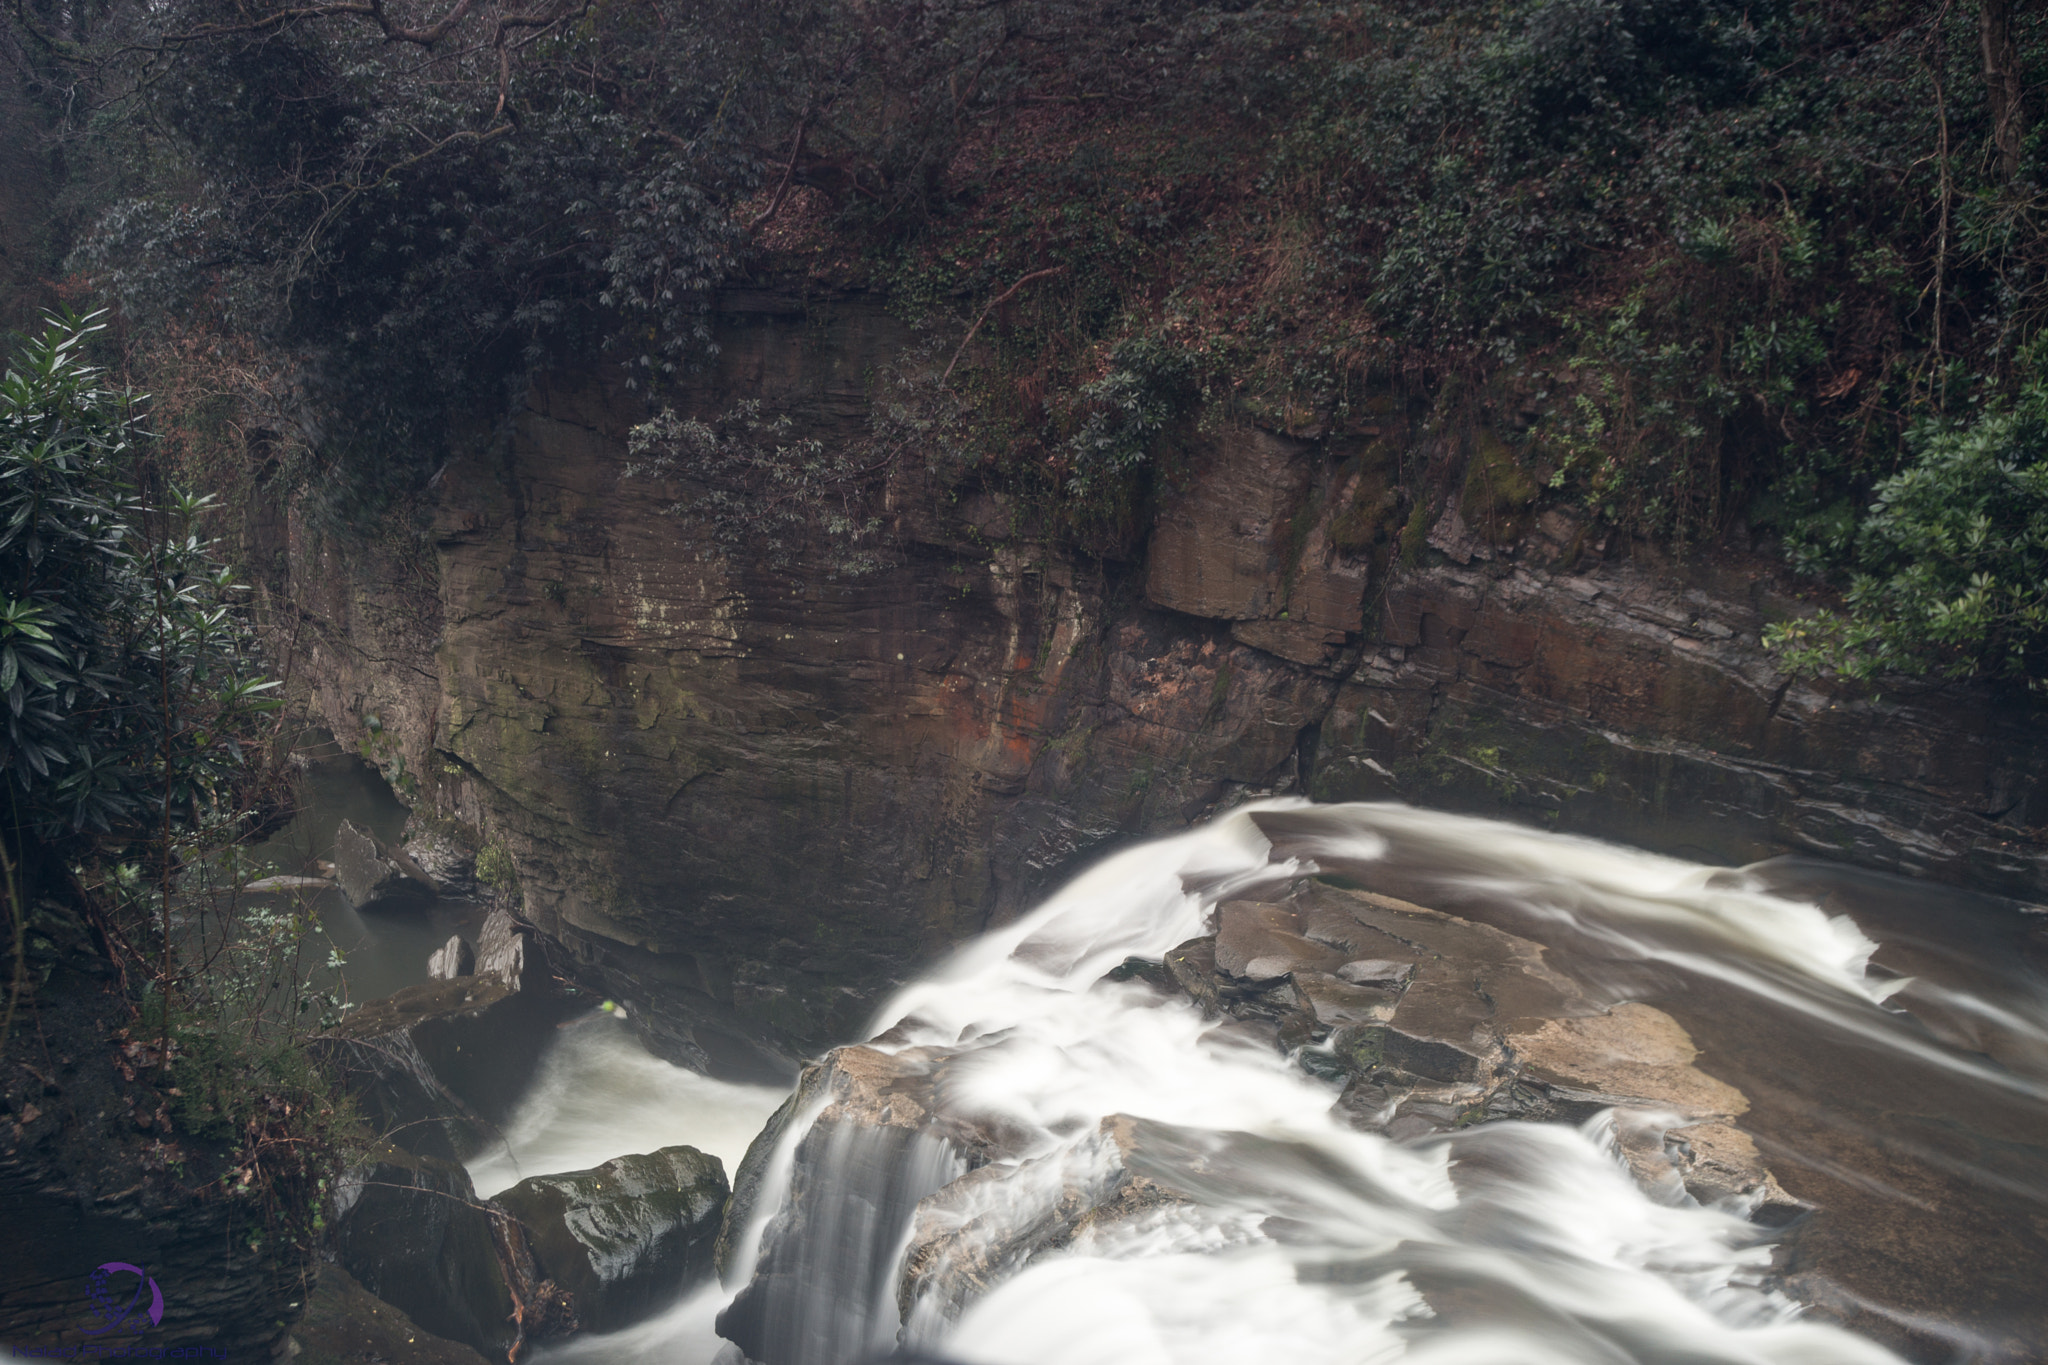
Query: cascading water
(1254, 1222)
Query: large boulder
(450, 864)
(624, 1239)
(452, 959)
(506, 952)
(411, 1230)
(441, 1064)
(345, 1324)
(374, 878)
(880, 1144)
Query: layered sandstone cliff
(750, 799)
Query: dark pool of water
(383, 951)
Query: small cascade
(1067, 1143)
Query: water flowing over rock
(625, 1238)
(1095, 1133)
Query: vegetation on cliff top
(1710, 266)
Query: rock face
(439, 1065)
(745, 799)
(625, 1239)
(373, 878)
(452, 959)
(411, 1230)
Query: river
(1891, 1038)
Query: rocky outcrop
(452, 959)
(411, 1231)
(1426, 1024)
(745, 797)
(439, 1065)
(625, 1239)
(376, 878)
(1434, 1022)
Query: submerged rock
(374, 878)
(623, 1239)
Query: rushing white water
(598, 1094)
(1309, 1241)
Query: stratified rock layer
(747, 798)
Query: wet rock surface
(1444, 1022)
(617, 705)
(880, 1142)
(439, 1065)
(623, 1239)
(347, 1325)
(375, 878)
(411, 1231)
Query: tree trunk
(2002, 82)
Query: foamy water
(598, 1094)
(1303, 1239)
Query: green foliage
(128, 678)
(495, 869)
(1492, 150)
(1948, 570)
(1150, 389)
(1498, 492)
(753, 483)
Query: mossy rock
(626, 1238)
(1498, 493)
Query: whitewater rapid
(1310, 1241)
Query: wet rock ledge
(1428, 1023)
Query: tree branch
(991, 306)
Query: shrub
(1948, 571)
(128, 679)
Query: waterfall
(1037, 1163)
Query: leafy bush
(1948, 571)
(127, 676)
